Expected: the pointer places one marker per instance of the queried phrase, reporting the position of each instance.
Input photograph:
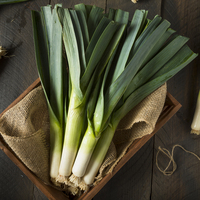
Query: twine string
(166, 171)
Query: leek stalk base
(85, 152)
(99, 154)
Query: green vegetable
(195, 126)
(85, 66)
(185, 56)
(48, 48)
(106, 66)
(10, 1)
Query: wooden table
(140, 177)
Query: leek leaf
(97, 53)
(88, 9)
(144, 35)
(81, 7)
(72, 51)
(47, 20)
(41, 51)
(56, 67)
(159, 45)
(118, 87)
(94, 17)
(111, 13)
(178, 62)
(10, 1)
(157, 62)
(84, 27)
(121, 16)
(134, 28)
(79, 38)
(99, 30)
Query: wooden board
(184, 183)
(17, 72)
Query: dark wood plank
(133, 181)
(38, 195)
(153, 6)
(13, 183)
(71, 3)
(17, 72)
(184, 183)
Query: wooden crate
(170, 108)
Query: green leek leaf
(72, 51)
(157, 62)
(10, 1)
(94, 17)
(118, 87)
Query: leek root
(3, 52)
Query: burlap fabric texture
(25, 128)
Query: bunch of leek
(89, 39)
(112, 65)
(132, 79)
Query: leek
(83, 77)
(2, 2)
(112, 65)
(185, 55)
(48, 45)
(110, 96)
(195, 126)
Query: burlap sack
(25, 128)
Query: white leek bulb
(195, 126)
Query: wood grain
(13, 183)
(133, 181)
(71, 3)
(38, 195)
(184, 183)
(154, 7)
(17, 72)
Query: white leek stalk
(85, 152)
(72, 135)
(99, 154)
(48, 49)
(56, 139)
(195, 126)
(83, 75)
